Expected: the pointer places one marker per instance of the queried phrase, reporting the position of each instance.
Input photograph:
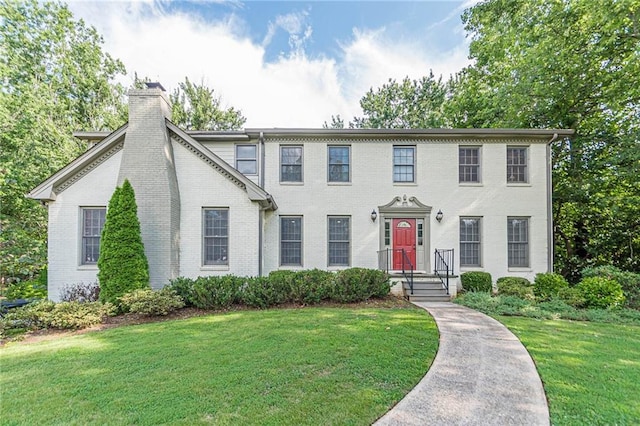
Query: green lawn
(274, 367)
(591, 371)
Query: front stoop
(426, 288)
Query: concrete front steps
(426, 288)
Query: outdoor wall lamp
(439, 215)
(374, 215)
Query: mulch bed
(133, 319)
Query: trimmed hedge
(476, 281)
(600, 292)
(150, 302)
(301, 287)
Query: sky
(282, 63)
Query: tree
(122, 265)
(411, 104)
(568, 64)
(55, 79)
(195, 107)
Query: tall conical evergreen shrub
(122, 265)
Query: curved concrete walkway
(482, 375)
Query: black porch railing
(443, 266)
(386, 261)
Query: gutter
(550, 242)
(261, 211)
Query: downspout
(550, 242)
(262, 209)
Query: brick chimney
(148, 163)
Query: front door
(404, 238)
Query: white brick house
(253, 201)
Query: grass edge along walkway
(284, 366)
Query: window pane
(215, 239)
(517, 164)
(469, 164)
(518, 242)
(291, 241)
(246, 152)
(470, 242)
(339, 241)
(291, 163)
(247, 167)
(92, 224)
(403, 164)
(338, 164)
(246, 159)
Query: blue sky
(283, 63)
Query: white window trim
(415, 168)
(81, 249)
(292, 182)
(348, 241)
(470, 183)
(480, 251)
(220, 265)
(291, 265)
(237, 158)
(519, 267)
(527, 165)
(338, 182)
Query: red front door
(404, 238)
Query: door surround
(408, 208)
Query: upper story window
(291, 240)
(339, 163)
(290, 163)
(247, 159)
(215, 236)
(404, 163)
(339, 240)
(517, 158)
(470, 241)
(518, 241)
(92, 223)
(469, 164)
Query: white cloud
(294, 91)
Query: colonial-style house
(253, 201)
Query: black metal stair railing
(385, 260)
(443, 266)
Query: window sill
(91, 267)
(405, 184)
(471, 268)
(339, 183)
(292, 183)
(290, 268)
(471, 184)
(519, 269)
(214, 268)
(518, 184)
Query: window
(339, 241)
(517, 165)
(247, 159)
(291, 241)
(404, 163)
(469, 164)
(216, 236)
(387, 232)
(92, 223)
(470, 241)
(290, 164)
(338, 164)
(518, 241)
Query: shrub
(629, 281)
(184, 288)
(216, 292)
(122, 264)
(358, 284)
(149, 302)
(32, 289)
(309, 287)
(476, 281)
(64, 315)
(572, 296)
(80, 292)
(515, 286)
(262, 292)
(547, 285)
(600, 292)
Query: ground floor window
(339, 240)
(470, 241)
(518, 241)
(291, 240)
(92, 223)
(215, 236)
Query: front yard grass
(274, 367)
(590, 371)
